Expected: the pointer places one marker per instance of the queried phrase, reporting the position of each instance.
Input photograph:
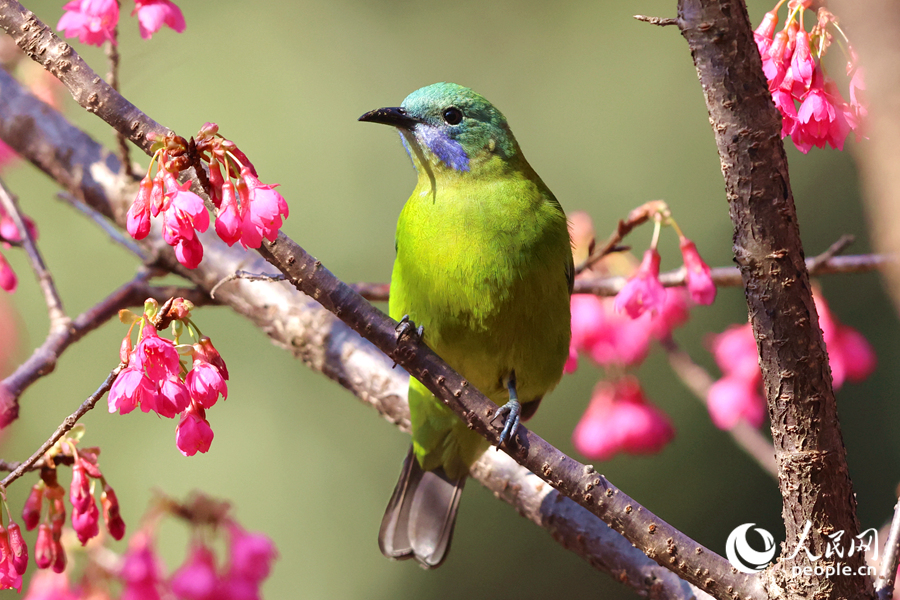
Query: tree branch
(813, 474)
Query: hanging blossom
(617, 334)
(239, 574)
(247, 210)
(620, 419)
(49, 552)
(155, 379)
(94, 21)
(737, 396)
(813, 111)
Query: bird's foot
(511, 410)
(406, 328)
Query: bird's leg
(512, 408)
(406, 328)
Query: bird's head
(446, 126)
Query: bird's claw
(513, 409)
(406, 328)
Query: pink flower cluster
(813, 112)
(620, 419)
(94, 21)
(250, 557)
(48, 549)
(617, 333)
(143, 574)
(155, 380)
(247, 210)
(13, 557)
(737, 396)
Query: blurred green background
(608, 110)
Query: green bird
(484, 266)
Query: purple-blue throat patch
(448, 150)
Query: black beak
(396, 116)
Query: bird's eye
(453, 116)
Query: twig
(833, 250)
(636, 217)
(661, 21)
(698, 381)
(112, 54)
(64, 427)
(603, 285)
(247, 276)
(59, 320)
(111, 230)
(887, 571)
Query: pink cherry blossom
(44, 551)
(18, 547)
(263, 210)
(698, 279)
(138, 221)
(153, 14)
(10, 579)
(86, 523)
(228, 217)
(250, 554)
(193, 433)
(784, 102)
(155, 355)
(141, 570)
(111, 514)
(184, 214)
(732, 399)
(204, 347)
(822, 117)
(802, 66)
(776, 59)
(31, 511)
(619, 419)
(80, 489)
(735, 352)
(850, 355)
(196, 579)
(92, 21)
(132, 388)
(47, 585)
(8, 279)
(643, 292)
(205, 383)
(766, 31)
(173, 398)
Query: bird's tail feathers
(418, 522)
